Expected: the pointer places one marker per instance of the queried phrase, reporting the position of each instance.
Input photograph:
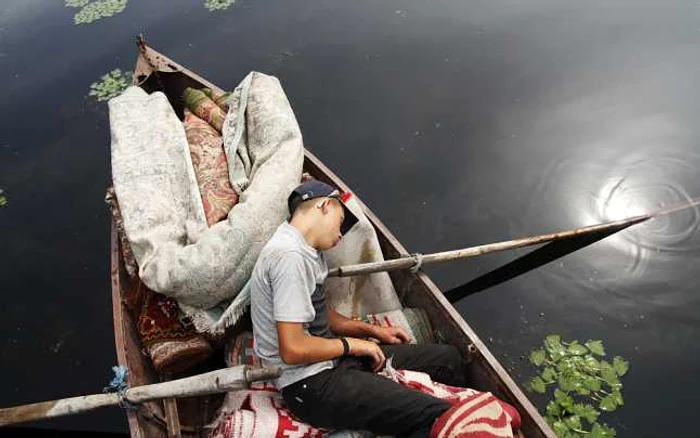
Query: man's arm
(297, 347)
(342, 326)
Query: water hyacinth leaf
(553, 346)
(577, 349)
(596, 347)
(111, 85)
(560, 428)
(553, 339)
(573, 422)
(591, 362)
(620, 365)
(76, 3)
(537, 357)
(537, 385)
(602, 431)
(566, 383)
(610, 377)
(549, 375)
(584, 410)
(217, 5)
(98, 9)
(617, 396)
(553, 409)
(608, 403)
(591, 383)
(579, 380)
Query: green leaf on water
(610, 377)
(76, 3)
(591, 383)
(596, 347)
(217, 5)
(591, 362)
(560, 428)
(617, 396)
(584, 410)
(566, 383)
(95, 10)
(602, 431)
(573, 421)
(537, 385)
(537, 357)
(553, 409)
(620, 365)
(110, 85)
(549, 375)
(579, 378)
(608, 403)
(577, 349)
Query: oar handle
(213, 382)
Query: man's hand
(390, 335)
(360, 347)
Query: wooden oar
(417, 260)
(213, 382)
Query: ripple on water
(581, 191)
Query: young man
(328, 368)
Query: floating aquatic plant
(92, 11)
(77, 3)
(216, 5)
(583, 385)
(110, 85)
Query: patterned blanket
(260, 412)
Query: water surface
(457, 122)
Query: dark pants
(351, 396)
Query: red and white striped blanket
(260, 412)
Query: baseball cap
(317, 189)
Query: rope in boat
(419, 262)
(119, 385)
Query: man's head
(319, 211)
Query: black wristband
(346, 346)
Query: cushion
(210, 167)
(200, 104)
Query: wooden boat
(187, 417)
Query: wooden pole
(213, 382)
(414, 261)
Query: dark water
(458, 122)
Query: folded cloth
(210, 167)
(355, 297)
(477, 415)
(474, 414)
(204, 268)
(202, 105)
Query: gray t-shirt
(286, 287)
